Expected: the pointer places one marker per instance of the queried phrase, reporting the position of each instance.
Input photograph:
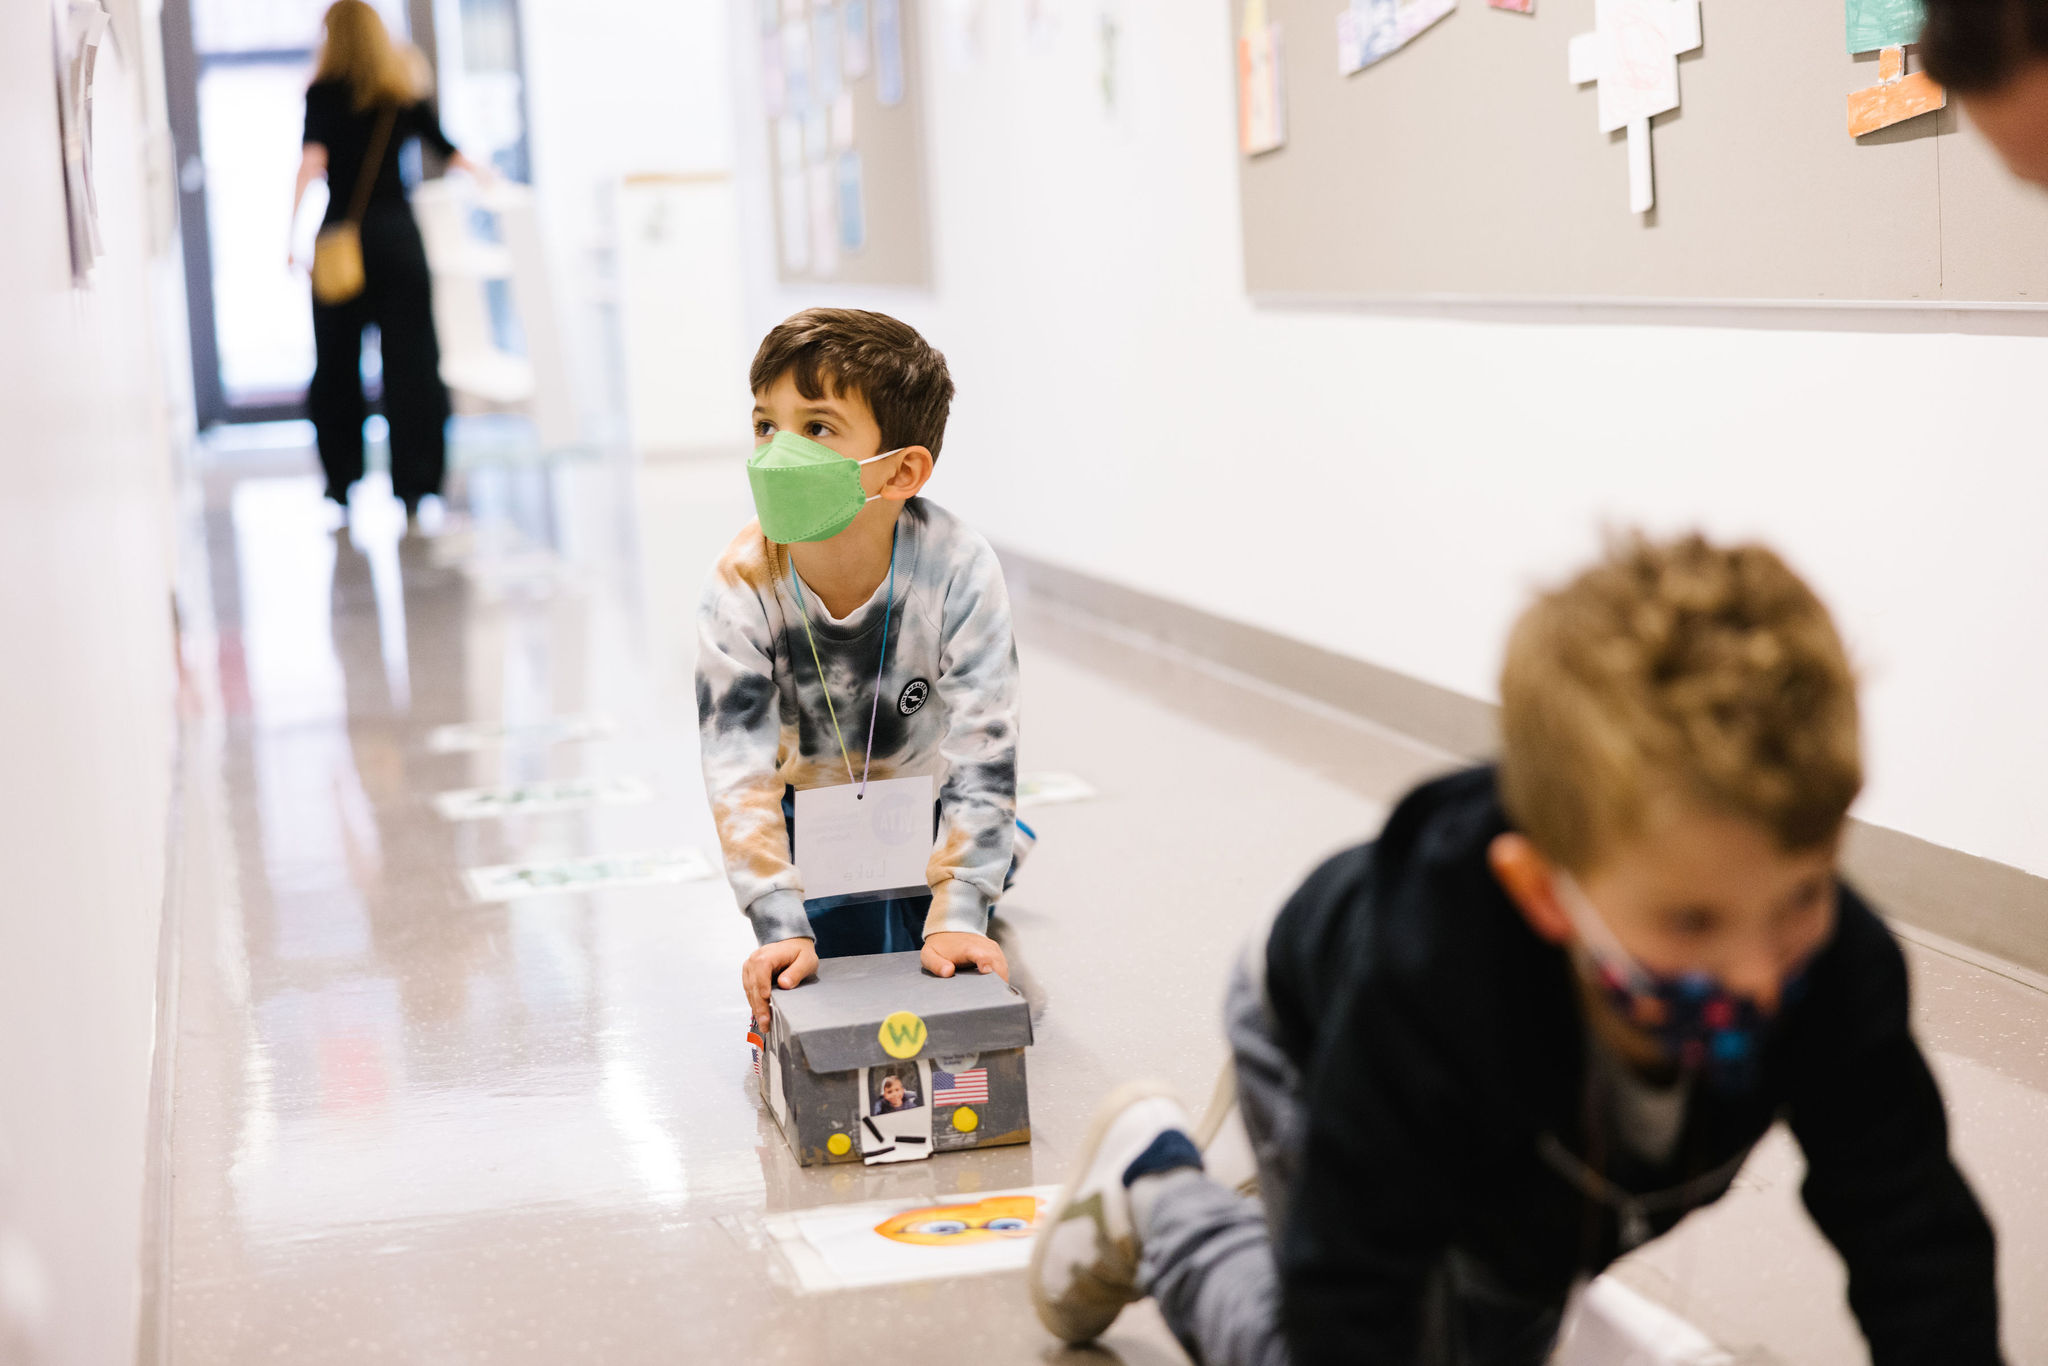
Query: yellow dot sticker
(902, 1034)
(965, 1120)
(839, 1145)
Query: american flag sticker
(960, 1088)
(754, 1042)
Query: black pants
(398, 297)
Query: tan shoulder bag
(338, 250)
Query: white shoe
(1084, 1262)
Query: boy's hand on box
(785, 964)
(950, 949)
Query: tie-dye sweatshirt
(948, 708)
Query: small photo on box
(893, 1089)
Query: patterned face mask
(1698, 1023)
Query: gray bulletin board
(1466, 165)
(854, 143)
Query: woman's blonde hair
(1677, 668)
(358, 49)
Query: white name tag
(847, 843)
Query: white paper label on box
(895, 1119)
(847, 843)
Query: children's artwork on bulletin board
(856, 52)
(842, 122)
(840, 1247)
(1633, 53)
(889, 52)
(1371, 30)
(1885, 27)
(827, 61)
(853, 213)
(774, 92)
(1517, 6)
(845, 139)
(1261, 109)
(823, 197)
(796, 222)
(817, 134)
(796, 66)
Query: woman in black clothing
(367, 90)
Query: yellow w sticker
(902, 1034)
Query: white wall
(86, 699)
(627, 87)
(1391, 486)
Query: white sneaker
(1084, 1262)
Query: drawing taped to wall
(888, 52)
(1633, 53)
(78, 27)
(1261, 111)
(1369, 31)
(1886, 27)
(843, 127)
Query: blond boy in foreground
(1549, 1011)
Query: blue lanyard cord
(881, 665)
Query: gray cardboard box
(959, 1082)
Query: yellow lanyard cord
(796, 589)
(819, 664)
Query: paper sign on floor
(1051, 789)
(839, 1247)
(511, 881)
(566, 794)
(468, 736)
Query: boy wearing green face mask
(856, 634)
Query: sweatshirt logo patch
(913, 696)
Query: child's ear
(1526, 876)
(910, 474)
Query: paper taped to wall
(1369, 31)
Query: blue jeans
(1208, 1251)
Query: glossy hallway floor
(409, 1127)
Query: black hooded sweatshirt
(1443, 1054)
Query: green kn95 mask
(805, 491)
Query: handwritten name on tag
(847, 843)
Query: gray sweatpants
(1208, 1251)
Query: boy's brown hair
(852, 351)
(1676, 669)
(1975, 46)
